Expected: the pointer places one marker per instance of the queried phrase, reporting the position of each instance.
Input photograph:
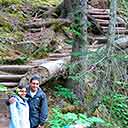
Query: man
(37, 101)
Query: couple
(29, 108)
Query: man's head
(34, 83)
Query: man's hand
(40, 126)
(11, 100)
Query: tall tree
(111, 33)
(79, 8)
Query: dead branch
(47, 22)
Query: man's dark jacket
(38, 107)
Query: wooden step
(12, 78)
(106, 17)
(106, 23)
(98, 12)
(19, 69)
(58, 55)
(100, 39)
(119, 30)
(9, 84)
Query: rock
(99, 3)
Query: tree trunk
(80, 41)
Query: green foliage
(8, 2)
(18, 36)
(123, 8)
(3, 88)
(41, 52)
(59, 120)
(10, 24)
(65, 93)
(104, 67)
(36, 3)
(33, 2)
(118, 106)
(21, 60)
(120, 57)
(121, 84)
(6, 25)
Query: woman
(19, 110)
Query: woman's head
(21, 91)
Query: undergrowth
(69, 120)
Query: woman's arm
(14, 115)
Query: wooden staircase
(102, 17)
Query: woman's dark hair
(21, 86)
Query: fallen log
(46, 71)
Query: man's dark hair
(35, 77)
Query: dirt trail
(4, 116)
(4, 120)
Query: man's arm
(44, 111)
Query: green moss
(5, 24)
(18, 36)
(41, 52)
(33, 2)
(18, 16)
(36, 3)
(8, 2)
